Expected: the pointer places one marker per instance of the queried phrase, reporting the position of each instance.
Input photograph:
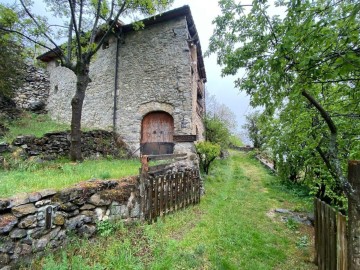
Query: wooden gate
(157, 132)
(163, 194)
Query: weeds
(302, 241)
(292, 224)
(33, 176)
(228, 230)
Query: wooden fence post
(143, 176)
(354, 217)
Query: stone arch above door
(152, 106)
(157, 130)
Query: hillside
(235, 227)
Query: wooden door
(157, 132)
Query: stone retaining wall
(33, 222)
(95, 143)
(33, 94)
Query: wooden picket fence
(163, 194)
(330, 237)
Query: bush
(207, 152)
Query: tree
(220, 122)
(304, 64)
(220, 111)
(91, 23)
(207, 152)
(11, 55)
(254, 129)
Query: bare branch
(38, 25)
(108, 31)
(57, 52)
(77, 34)
(94, 28)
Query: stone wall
(95, 143)
(33, 222)
(34, 93)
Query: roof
(166, 16)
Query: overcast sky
(204, 11)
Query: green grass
(32, 124)
(32, 176)
(236, 141)
(230, 229)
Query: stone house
(148, 85)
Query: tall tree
(302, 64)
(11, 54)
(91, 23)
(220, 122)
(311, 54)
(254, 129)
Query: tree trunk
(82, 81)
(354, 217)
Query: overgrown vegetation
(230, 229)
(12, 58)
(207, 152)
(220, 124)
(303, 69)
(31, 124)
(34, 175)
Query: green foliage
(303, 242)
(76, 263)
(255, 129)
(11, 55)
(34, 175)
(292, 224)
(229, 229)
(235, 140)
(303, 69)
(207, 152)
(31, 124)
(217, 132)
(106, 228)
(220, 123)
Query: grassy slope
(32, 124)
(230, 229)
(32, 176)
(57, 175)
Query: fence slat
(316, 226)
(176, 192)
(156, 198)
(150, 200)
(330, 237)
(322, 237)
(332, 244)
(161, 204)
(341, 242)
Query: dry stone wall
(95, 143)
(33, 222)
(34, 93)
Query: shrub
(207, 152)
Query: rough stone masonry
(160, 68)
(30, 223)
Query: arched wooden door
(157, 130)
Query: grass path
(230, 229)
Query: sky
(204, 12)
